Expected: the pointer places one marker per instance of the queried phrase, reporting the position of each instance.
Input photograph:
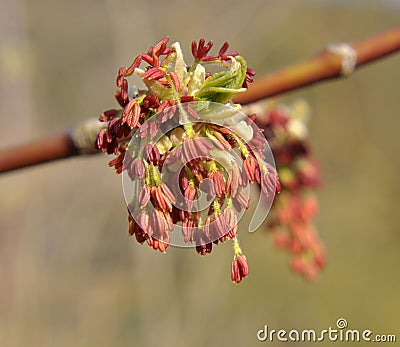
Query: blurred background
(69, 273)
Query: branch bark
(323, 66)
(42, 151)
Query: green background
(69, 274)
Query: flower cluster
(172, 171)
(291, 216)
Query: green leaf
(222, 86)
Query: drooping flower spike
(290, 221)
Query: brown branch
(42, 151)
(78, 141)
(325, 65)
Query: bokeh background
(69, 273)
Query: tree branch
(42, 151)
(323, 66)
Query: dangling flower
(239, 266)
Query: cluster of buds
(176, 141)
(291, 216)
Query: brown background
(69, 274)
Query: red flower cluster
(291, 216)
(174, 88)
(167, 198)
